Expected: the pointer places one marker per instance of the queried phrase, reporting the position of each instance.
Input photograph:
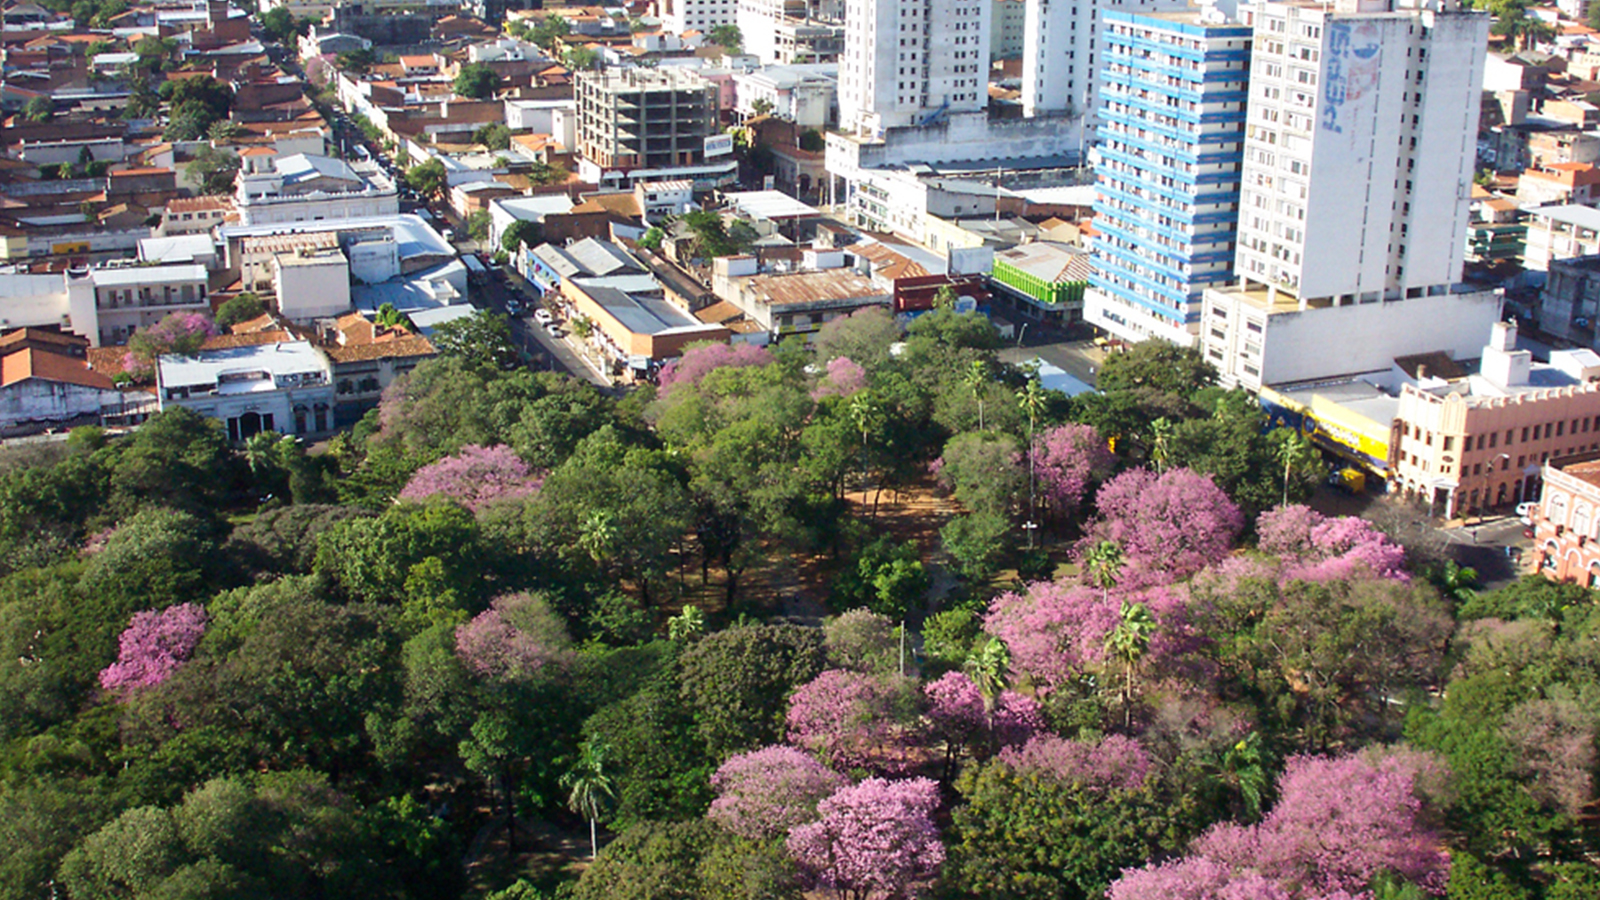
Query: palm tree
(1243, 768)
(988, 667)
(977, 378)
(1128, 643)
(1104, 563)
(1523, 29)
(1293, 450)
(864, 414)
(1032, 400)
(589, 789)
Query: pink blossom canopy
(474, 477)
(1338, 822)
(1316, 548)
(154, 645)
(1169, 526)
(845, 378)
(874, 839)
(516, 637)
(1065, 459)
(847, 718)
(1056, 630)
(1115, 763)
(700, 361)
(764, 793)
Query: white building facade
(1060, 50)
(908, 64)
(1355, 194)
(286, 387)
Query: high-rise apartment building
(678, 16)
(1061, 50)
(650, 124)
(910, 63)
(1173, 87)
(1353, 209)
(1360, 148)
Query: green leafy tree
(977, 542)
(522, 233)
(493, 136)
(735, 682)
(215, 170)
(581, 58)
(478, 225)
(39, 109)
(476, 81)
(481, 339)
(727, 37)
(427, 179)
(243, 308)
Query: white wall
(1344, 340)
(314, 292)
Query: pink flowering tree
(153, 646)
(698, 362)
(1116, 763)
(1169, 525)
(854, 720)
(1316, 548)
(1338, 823)
(517, 637)
(1065, 459)
(765, 793)
(844, 378)
(1057, 631)
(181, 333)
(957, 714)
(873, 840)
(475, 477)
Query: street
(545, 351)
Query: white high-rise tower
(1360, 140)
(910, 63)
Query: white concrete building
(1560, 232)
(283, 387)
(1060, 52)
(679, 16)
(659, 199)
(308, 188)
(1008, 29)
(805, 95)
(1359, 148)
(107, 305)
(1353, 211)
(1256, 338)
(312, 284)
(909, 64)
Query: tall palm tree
(976, 379)
(1127, 644)
(1294, 450)
(1032, 400)
(589, 789)
(1104, 563)
(865, 416)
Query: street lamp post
(1488, 475)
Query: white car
(543, 317)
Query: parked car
(543, 317)
(514, 307)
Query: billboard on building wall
(1350, 80)
(718, 145)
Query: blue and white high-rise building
(1173, 87)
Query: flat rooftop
(269, 360)
(642, 315)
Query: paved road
(546, 351)
(1480, 544)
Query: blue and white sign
(718, 145)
